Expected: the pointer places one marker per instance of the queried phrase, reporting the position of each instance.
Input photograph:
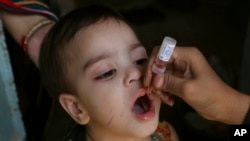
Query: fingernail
(158, 81)
(157, 92)
(171, 100)
(164, 97)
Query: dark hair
(54, 56)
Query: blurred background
(217, 27)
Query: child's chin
(147, 130)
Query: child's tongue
(142, 105)
(138, 109)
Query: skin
(189, 89)
(192, 79)
(106, 87)
(25, 22)
(74, 105)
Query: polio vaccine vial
(164, 54)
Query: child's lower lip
(148, 115)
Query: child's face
(106, 71)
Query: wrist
(234, 108)
(25, 22)
(247, 116)
(35, 41)
(30, 32)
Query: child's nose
(133, 74)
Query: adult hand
(191, 78)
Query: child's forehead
(104, 32)
(107, 36)
(102, 24)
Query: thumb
(169, 83)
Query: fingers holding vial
(158, 64)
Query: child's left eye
(141, 61)
(107, 74)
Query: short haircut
(54, 55)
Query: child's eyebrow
(93, 60)
(136, 45)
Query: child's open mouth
(143, 107)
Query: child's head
(93, 62)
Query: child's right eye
(106, 74)
(141, 61)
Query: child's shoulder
(165, 132)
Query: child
(92, 61)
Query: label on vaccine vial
(167, 48)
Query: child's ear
(74, 109)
